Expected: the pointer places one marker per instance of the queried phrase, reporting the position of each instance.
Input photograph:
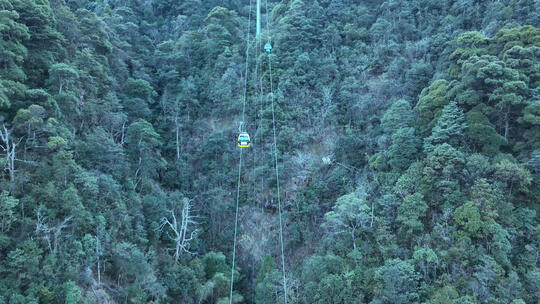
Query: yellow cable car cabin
(243, 140)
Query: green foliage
(514, 175)
(351, 215)
(399, 115)
(482, 133)
(184, 281)
(444, 163)
(22, 263)
(449, 128)
(131, 262)
(471, 44)
(72, 293)
(468, 216)
(531, 116)
(63, 75)
(269, 280)
(326, 276)
(404, 148)
(56, 142)
(349, 149)
(410, 214)
(143, 149)
(7, 211)
(397, 282)
(14, 34)
(113, 111)
(418, 77)
(427, 260)
(445, 295)
(430, 104)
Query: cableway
(241, 154)
(245, 137)
(276, 156)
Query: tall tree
(449, 129)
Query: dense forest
(408, 150)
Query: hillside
(407, 148)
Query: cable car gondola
(243, 140)
(268, 48)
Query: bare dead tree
(177, 134)
(326, 106)
(99, 253)
(9, 147)
(50, 234)
(138, 178)
(123, 133)
(172, 112)
(182, 231)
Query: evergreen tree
(399, 115)
(404, 148)
(449, 129)
(397, 282)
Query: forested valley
(407, 146)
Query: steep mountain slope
(408, 139)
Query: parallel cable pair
(275, 156)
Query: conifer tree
(449, 129)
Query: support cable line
(257, 84)
(241, 153)
(276, 155)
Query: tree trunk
(353, 238)
(12, 164)
(177, 137)
(9, 148)
(99, 272)
(98, 254)
(506, 123)
(372, 213)
(179, 236)
(123, 133)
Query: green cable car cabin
(268, 48)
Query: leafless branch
(180, 229)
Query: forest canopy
(407, 141)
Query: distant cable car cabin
(243, 140)
(268, 48)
